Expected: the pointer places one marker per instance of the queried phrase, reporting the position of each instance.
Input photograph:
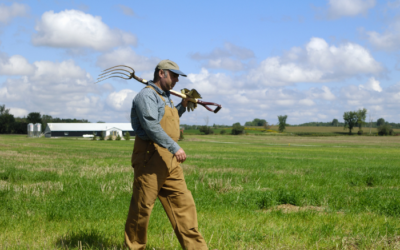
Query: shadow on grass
(92, 239)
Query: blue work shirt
(147, 112)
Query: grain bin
(37, 129)
(30, 130)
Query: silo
(30, 130)
(38, 129)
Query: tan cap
(171, 66)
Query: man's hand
(185, 102)
(180, 155)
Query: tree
(335, 122)
(127, 136)
(282, 122)
(237, 129)
(350, 120)
(34, 117)
(361, 116)
(380, 122)
(7, 120)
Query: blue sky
(310, 60)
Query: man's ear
(161, 73)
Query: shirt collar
(160, 91)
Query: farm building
(80, 129)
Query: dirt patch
(289, 208)
(4, 145)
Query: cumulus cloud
(121, 100)
(18, 112)
(15, 65)
(372, 84)
(75, 29)
(341, 8)
(127, 56)
(231, 57)
(316, 62)
(389, 39)
(7, 13)
(56, 88)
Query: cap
(171, 66)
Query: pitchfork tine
(99, 80)
(113, 73)
(109, 71)
(120, 66)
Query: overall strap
(162, 98)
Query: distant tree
(101, 137)
(385, 129)
(237, 129)
(380, 122)
(256, 122)
(266, 125)
(361, 116)
(127, 136)
(282, 122)
(335, 122)
(222, 132)
(7, 120)
(118, 138)
(101, 122)
(350, 120)
(34, 117)
(206, 130)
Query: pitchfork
(119, 72)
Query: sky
(309, 60)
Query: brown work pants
(154, 178)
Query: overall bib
(158, 174)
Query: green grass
(251, 192)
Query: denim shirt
(147, 112)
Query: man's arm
(147, 113)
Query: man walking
(156, 161)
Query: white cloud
(18, 112)
(15, 65)
(7, 13)
(372, 84)
(316, 62)
(323, 93)
(340, 8)
(127, 56)
(62, 89)
(121, 100)
(388, 40)
(231, 57)
(75, 29)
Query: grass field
(301, 131)
(251, 192)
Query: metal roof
(88, 126)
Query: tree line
(16, 125)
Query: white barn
(80, 129)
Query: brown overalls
(158, 174)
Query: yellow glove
(192, 94)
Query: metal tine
(120, 66)
(112, 73)
(111, 70)
(99, 80)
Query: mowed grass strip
(251, 192)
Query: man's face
(168, 79)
